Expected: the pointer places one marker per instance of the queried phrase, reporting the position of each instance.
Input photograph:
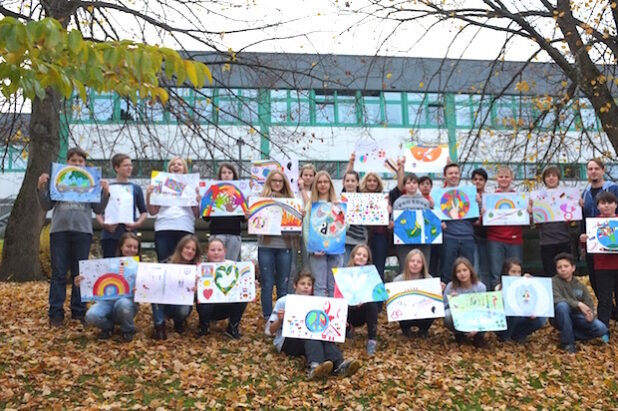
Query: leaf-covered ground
(68, 368)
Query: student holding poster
(111, 233)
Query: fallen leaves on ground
(68, 368)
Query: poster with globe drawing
(358, 285)
(75, 184)
(557, 204)
(311, 317)
(506, 209)
(455, 203)
(527, 296)
(602, 235)
(107, 278)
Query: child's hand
(320, 253)
(301, 184)
(583, 238)
(112, 227)
(105, 187)
(280, 315)
(78, 279)
(442, 286)
(471, 334)
(581, 202)
(527, 275)
(198, 197)
(443, 224)
(587, 311)
(43, 180)
(431, 203)
(391, 224)
(352, 157)
(149, 189)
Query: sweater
(572, 292)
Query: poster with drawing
(366, 208)
(107, 278)
(224, 198)
(377, 156)
(310, 317)
(478, 311)
(172, 189)
(358, 285)
(425, 159)
(272, 216)
(557, 204)
(416, 227)
(506, 209)
(527, 296)
(601, 235)
(75, 184)
(165, 283)
(414, 299)
(455, 203)
(261, 168)
(227, 282)
(327, 227)
(120, 207)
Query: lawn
(67, 368)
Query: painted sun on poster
(75, 184)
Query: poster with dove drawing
(226, 282)
(358, 285)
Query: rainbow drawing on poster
(478, 311)
(327, 227)
(414, 299)
(284, 214)
(422, 159)
(527, 296)
(107, 278)
(377, 156)
(75, 184)
(455, 203)
(416, 227)
(261, 168)
(165, 283)
(602, 235)
(226, 282)
(224, 198)
(358, 285)
(120, 207)
(366, 208)
(557, 204)
(506, 209)
(310, 317)
(173, 189)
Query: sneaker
(81, 320)
(180, 326)
(371, 347)
(605, 339)
(407, 333)
(319, 370)
(347, 368)
(232, 331)
(160, 333)
(203, 331)
(56, 322)
(424, 334)
(570, 348)
(105, 334)
(479, 341)
(128, 336)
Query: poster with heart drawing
(226, 282)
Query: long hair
(363, 183)
(123, 238)
(176, 258)
(473, 277)
(355, 250)
(230, 167)
(286, 188)
(184, 163)
(406, 267)
(332, 196)
(356, 175)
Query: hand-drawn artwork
(107, 278)
(358, 285)
(478, 311)
(271, 216)
(120, 207)
(421, 159)
(327, 228)
(261, 168)
(315, 318)
(414, 299)
(416, 227)
(455, 203)
(171, 189)
(224, 198)
(506, 209)
(366, 208)
(165, 283)
(377, 156)
(75, 184)
(557, 204)
(527, 296)
(227, 282)
(601, 235)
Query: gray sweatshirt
(71, 216)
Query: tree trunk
(20, 254)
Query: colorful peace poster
(315, 318)
(359, 285)
(557, 204)
(377, 156)
(455, 203)
(107, 278)
(366, 208)
(261, 168)
(416, 227)
(120, 207)
(506, 209)
(271, 216)
(478, 311)
(527, 296)
(172, 189)
(75, 184)
(414, 299)
(224, 198)
(227, 282)
(327, 227)
(601, 235)
(165, 283)
(424, 159)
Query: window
(393, 113)
(203, 105)
(179, 104)
(324, 107)
(346, 109)
(103, 107)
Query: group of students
(468, 249)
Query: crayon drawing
(120, 207)
(315, 318)
(224, 198)
(165, 283)
(327, 228)
(377, 156)
(107, 278)
(171, 189)
(416, 227)
(558, 204)
(506, 209)
(478, 312)
(284, 213)
(414, 299)
(227, 282)
(455, 203)
(358, 285)
(422, 159)
(75, 184)
(261, 168)
(602, 235)
(366, 208)
(527, 296)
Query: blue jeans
(453, 248)
(378, 244)
(275, 265)
(498, 252)
(161, 312)
(322, 270)
(218, 312)
(481, 261)
(166, 241)
(573, 325)
(109, 246)
(518, 328)
(67, 248)
(105, 314)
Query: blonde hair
(406, 267)
(363, 183)
(182, 160)
(176, 258)
(507, 169)
(332, 195)
(355, 250)
(286, 188)
(308, 167)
